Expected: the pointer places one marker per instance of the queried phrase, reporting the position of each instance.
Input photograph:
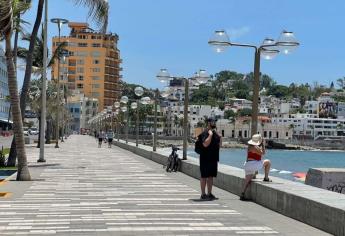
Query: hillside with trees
(229, 84)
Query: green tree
(243, 94)
(245, 112)
(229, 114)
(341, 82)
(279, 91)
(98, 10)
(6, 30)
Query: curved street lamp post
(139, 91)
(270, 48)
(59, 22)
(199, 77)
(117, 107)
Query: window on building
(96, 45)
(81, 36)
(95, 94)
(80, 69)
(80, 77)
(96, 86)
(71, 44)
(82, 45)
(287, 134)
(80, 86)
(95, 54)
(76, 110)
(95, 78)
(80, 54)
(80, 62)
(96, 69)
(96, 62)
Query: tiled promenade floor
(102, 191)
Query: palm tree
(35, 99)
(19, 8)
(37, 53)
(37, 69)
(6, 29)
(99, 13)
(341, 82)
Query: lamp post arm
(243, 45)
(137, 124)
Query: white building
(88, 109)
(239, 104)
(177, 88)
(241, 128)
(196, 113)
(4, 105)
(308, 127)
(341, 110)
(311, 107)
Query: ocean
(285, 162)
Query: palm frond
(56, 53)
(98, 11)
(20, 6)
(6, 17)
(22, 53)
(20, 24)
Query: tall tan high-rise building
(92, 66)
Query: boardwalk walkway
(85, 190)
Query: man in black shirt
(209, 158)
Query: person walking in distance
(209, 157)
(254, 162)
(100, 138)
(110, 136)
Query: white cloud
(234, 34)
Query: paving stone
(103, 191)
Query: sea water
(285, 162)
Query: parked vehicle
(26, 131)
(33, 131)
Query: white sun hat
(256, 140)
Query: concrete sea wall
(332, 179)
(317, 207)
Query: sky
(155, 34)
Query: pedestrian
(100, 138)
(256, 150)
(209, 158)
(110, 136)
